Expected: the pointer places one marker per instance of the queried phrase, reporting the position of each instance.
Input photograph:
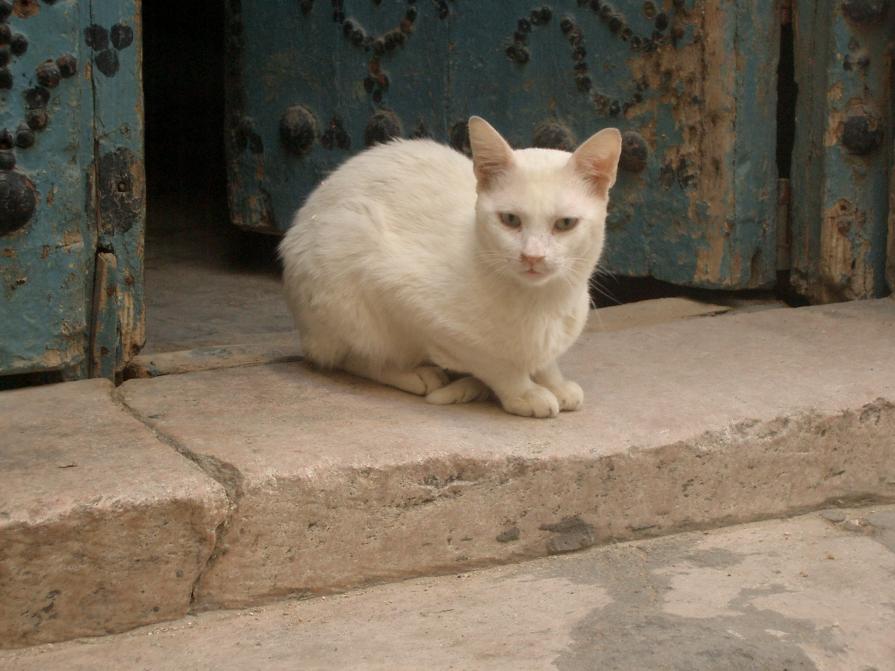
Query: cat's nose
(532, 260)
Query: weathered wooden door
(842, 157)
(71, 186)
(691, 83)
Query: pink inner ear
(596, 160)
(491, 155)
(487, 169)
(593, 169)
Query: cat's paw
(464, 390)
(423, 380)
(569, 394)
(536, 401)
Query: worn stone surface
(206, 284)
(337, 482)
(649, 313)
(102, 526)
(800, 594)
(267, 348)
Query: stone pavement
(810, 593)
(239, 486)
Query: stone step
(809, 593)
(335, 482)
(102, 527)
(238, 486)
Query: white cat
(410, 260)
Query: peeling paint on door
(691, 83)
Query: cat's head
(541, 213)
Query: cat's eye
(510, 220)
(565, 224)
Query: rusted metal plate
(841, 164)
(690, 82)
(71, 182)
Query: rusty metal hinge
(784, 230)
(785, 12)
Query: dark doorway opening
(184, 90)
(787, 91)
(207, 283)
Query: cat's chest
(520, 332)
(543, 337)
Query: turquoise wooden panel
(77, 86)
(692, 84)
(45, 258)
(841, 160)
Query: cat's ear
(491, 155)
(597, 160)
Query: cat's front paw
(569, 394)
(426, 379)
(535, 401)
(464, 390)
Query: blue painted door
(71, 186)
(691, 83)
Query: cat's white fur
(399, 267)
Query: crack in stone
(225, 474)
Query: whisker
(594, 283)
